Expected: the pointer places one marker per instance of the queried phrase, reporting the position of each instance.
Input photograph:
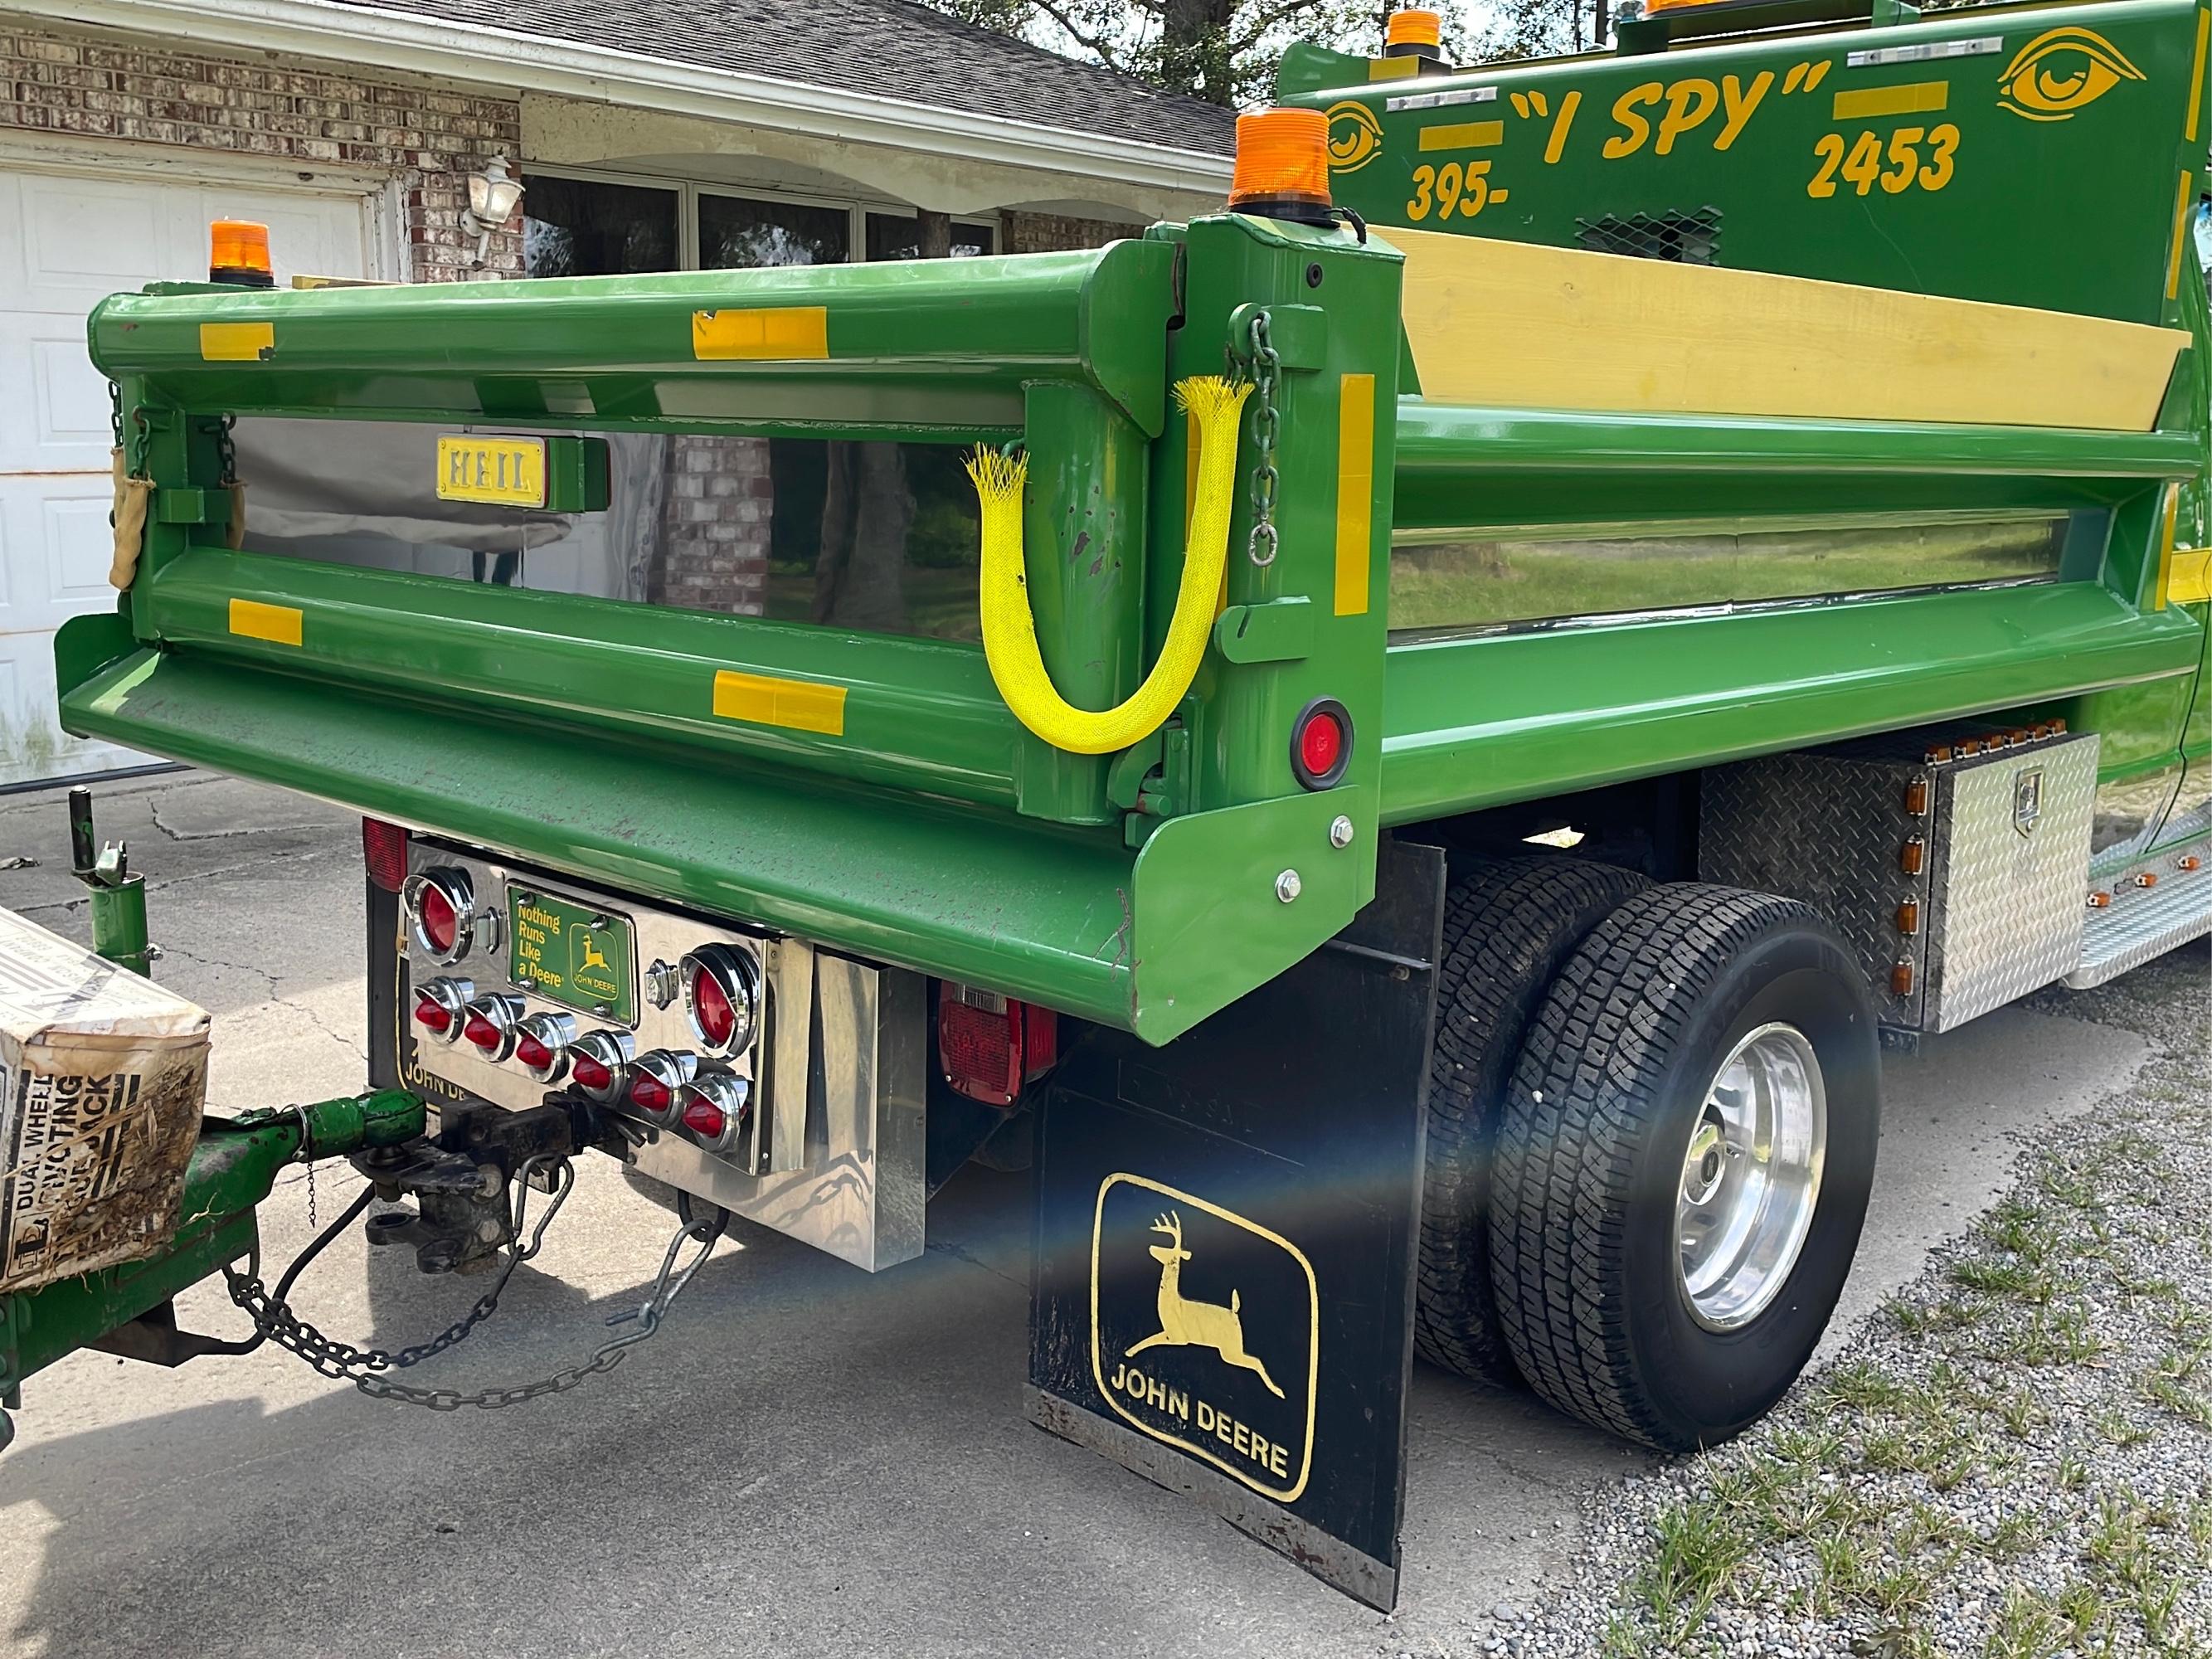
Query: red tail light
(990, 1047)
(482, 1032)
(705, 1119)
(532, 1053)
(384, 850)
(649, 1093)
(1321, 744)
(441, 923)
(591, 1074)
(710, 1004)
(430, 1015)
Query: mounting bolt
(662, 982)
(1288, 886)
(1339, 831)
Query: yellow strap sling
(1214, 407)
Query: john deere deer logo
(1188, 1324)
(592, 957)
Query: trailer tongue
(1409, 758)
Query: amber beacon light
(1410, 30)
(237, 253)
(1282, 165)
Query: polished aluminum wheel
(1751, 1178)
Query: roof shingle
(893, 49)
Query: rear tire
(1594, 1190)
(1508, 926)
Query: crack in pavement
(961, 1252)
(275, 996)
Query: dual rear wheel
(1653, 1117)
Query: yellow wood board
(1518, 325)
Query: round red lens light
(532, 1053)
(439, 923)
(590, 1074)
(1321, 744)
(649, 1093)
(481, 1031)
(710, 1003)
(705, 1119)
(430, 1015)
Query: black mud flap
(1225, 1237)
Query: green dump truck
(1409, 743)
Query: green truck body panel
(1582, 145)
(929, 828)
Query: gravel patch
(2012, 1459)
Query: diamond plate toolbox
(1954, 860)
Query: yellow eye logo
(2061, 71)
(1355, 137)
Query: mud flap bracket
(1226, 1230)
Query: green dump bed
(1510, 597)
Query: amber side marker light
(1282, 166)
(237, 253)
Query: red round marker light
(705, 1119)
(532, 1053)
(1321, 744)
(431, 1015)
(439, 923)
(591, 1074)
(482, 1032)
(649, 1093)
(711, 1006)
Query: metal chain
(306, 1147)
(1267, 421)
(226, 451)
(115, 410)
(362, 1368)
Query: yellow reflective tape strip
(2189, 580)
(2197, 74)
(1393, 69)
(236, 343)
(2181, 235)
(279, 624)
(2159, 596)
(1355, 490)
(1915, 98)
(761, 700)
(772, 333)
(1466, 135)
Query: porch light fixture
(493, 195)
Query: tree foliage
(1225, 51)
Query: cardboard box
(102, 1078)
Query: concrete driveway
(807, 1461)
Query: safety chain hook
(1267, 422)
(364, 1369)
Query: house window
(590, 228)
(604, 225)
(892, 236)
(738, 232)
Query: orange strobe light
(237, 253)
(1282, 165)
(1413, 28)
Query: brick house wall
(1054, 233)
(294, 110)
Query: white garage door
(68, 240)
